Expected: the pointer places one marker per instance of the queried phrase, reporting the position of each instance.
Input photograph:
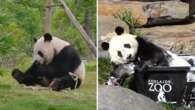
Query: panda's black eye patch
(40, 53)
(119, 54)
(127, 45)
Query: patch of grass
(92, 66)
(14, 96)
(3, 71)
(174, 107)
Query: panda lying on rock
(126, 49)
(56, 65)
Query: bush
(104, 69)
(130, 20)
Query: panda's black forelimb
(30, 77)
(142, 67)
(22, 78)
(150, 54)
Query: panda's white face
(123, 48)
(43, 51)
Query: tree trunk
(47, 19)
(88, 21)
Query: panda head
(47, 47)
(122, 47)
(44, 50)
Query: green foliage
(10, 37)
(104, 69)
(22, 20)
(3, 71)
(19, 21)
(174, 107)
(129, 19)
(62, 26)
(71, 34)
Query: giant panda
(56, 64)
(128, 49)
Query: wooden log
(167, 20)
(191, 8)
(79, 27)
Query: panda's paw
(18, 75)
(55, 85)
(141, 69)
(138, 69)
(43, 81)
(15, 71)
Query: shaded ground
(15, 97)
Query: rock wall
(144, 10)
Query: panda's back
(59, 44)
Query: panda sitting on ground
(125, 49)
(56, 65)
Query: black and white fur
(125, 48)
(55, 61)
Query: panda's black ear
(105, 45)
(119, 30)
(34, 40)
(47, 37)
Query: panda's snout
(129, 57)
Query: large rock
(118, 98)
(174, 9)
(107, 24)
(109, 8)
(144, 10)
